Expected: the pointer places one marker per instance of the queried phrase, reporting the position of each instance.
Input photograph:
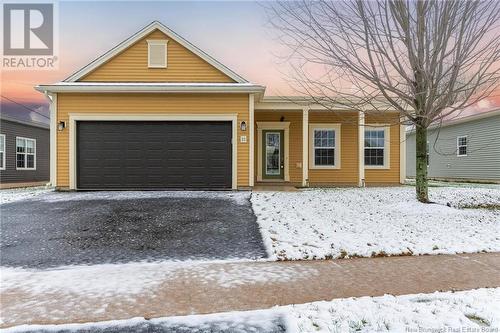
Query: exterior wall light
(61, 125)
(243, 126)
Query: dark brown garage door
(154, 154)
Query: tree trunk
(422, 184)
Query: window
(157, 53)
(462, 146)
(2, 151)
(376, 152)
(324, 150)
(25, 153)
(324, 147)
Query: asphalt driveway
(57, 229)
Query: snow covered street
(105, 292)
(350, 222)
(466, 311)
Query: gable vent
(157, 53)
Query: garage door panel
(130, 155)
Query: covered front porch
(304, 145)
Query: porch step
(275, 186)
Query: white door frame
(74, 117)
(278, 126)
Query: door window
(273, 160)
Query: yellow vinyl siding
(391, 175)
(131, 65)
(137, 104)
(295, 140)
(349, 171)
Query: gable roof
(155, 25)
(487, 114)
(26, 122)
(32, 114)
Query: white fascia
(126, 87)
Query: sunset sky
(234, 33)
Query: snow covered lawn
(11, 195)
(465, 311)
(343, 222)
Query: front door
(273, 154)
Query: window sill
(376, 167)
(26, 169)
(324, 167)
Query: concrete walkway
(189, 288)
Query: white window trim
(387, 145)
(4, 150)
(157, 42)
(328, 127)
(26, 154)
(459, 145)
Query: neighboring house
(157, 112)
(24, 152)
(462, 149)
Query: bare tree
(427, 59)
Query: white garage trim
(52, 97)
(74, 117)
(251, 130)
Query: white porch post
(402, 151)
(361, 148)
(305, 146)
